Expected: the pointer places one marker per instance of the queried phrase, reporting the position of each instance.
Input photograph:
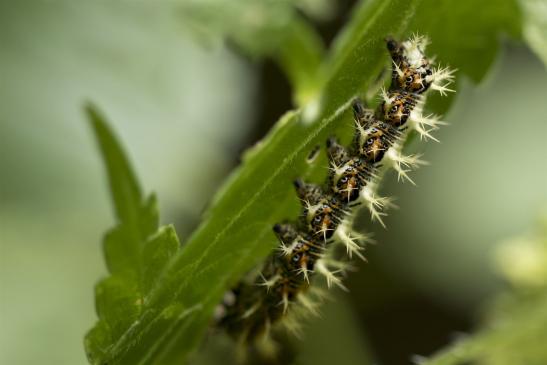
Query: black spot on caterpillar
(284, 287)
(313, 154)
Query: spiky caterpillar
(251, 308)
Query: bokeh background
(185, 108)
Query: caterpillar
(284, 289)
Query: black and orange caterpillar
(283, 285)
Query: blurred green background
(185, 109)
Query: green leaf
(516, 338)
(515, 332)
(300, 57)
(235, 233)
(468, 33)
(126, 193)
(135, 250)
(535, 26)
(264, 29)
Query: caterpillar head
(396, 49)
(410, 51)
(412, 71)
